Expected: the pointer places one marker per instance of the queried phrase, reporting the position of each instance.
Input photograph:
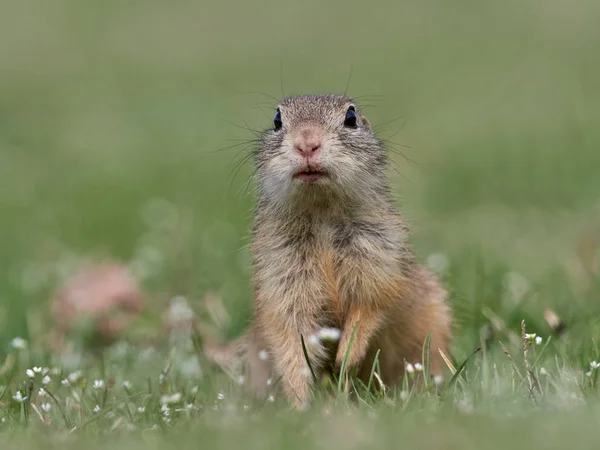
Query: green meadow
(124, 134)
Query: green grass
(117, 121)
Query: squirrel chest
(324, 267)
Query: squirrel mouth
(310, 175)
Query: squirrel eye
(277, 120)
(350, 119)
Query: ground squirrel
(330, 250)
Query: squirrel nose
(308, 147)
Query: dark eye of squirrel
(277, 120)
(350, 119)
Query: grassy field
(119, 125)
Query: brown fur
(334, 254)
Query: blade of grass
(374, 366)
(462, 367)
(312, 372)
(425, 358)
(346, 356)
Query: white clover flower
(141, 409)
(169, 399)
(98, 384)
(42, 392)
(438, 380)
(538, 340)
(18, 397)
(220, 396)
(37, 369)
(46, 407)
(410, 368)
(46, 380)
(96, 409)
(263, 355)
(594, 365)
(126, 385)
(330, 334)
(18, 343)
(418, 367)
(30, 373)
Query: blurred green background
(117, 121)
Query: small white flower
(18, 397)
(594, 365)
(4, 420)
(271, 398)
(410, 368)
(438, 380)
(96, 409)
(98, 384)
(46, 407)
(220, 396)
(543, 371)
(313, 340)
(263, 355)
(269, 382)
(42, 392)
(169, 399)
(30, 373)
(530, 337)
(46, 380)
(330, 334)
(141, 409)
(195, 389)
(465, 405)
(189, 406)
(438, 262)
(45, 371)
(18, 343)
(65, 382)
(538, 340)
(37, 369)
(588, 374)
(418, 367)
(127, 385)
(74, 376)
